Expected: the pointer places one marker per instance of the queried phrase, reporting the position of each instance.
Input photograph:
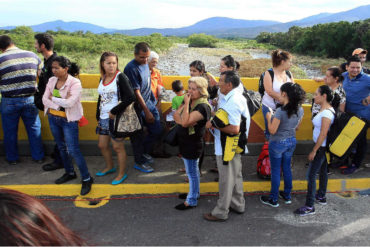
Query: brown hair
(102, 59)
(279, 56)
(25, 220)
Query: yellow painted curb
(104, 190)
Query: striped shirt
(18, 72)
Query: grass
(255, 67)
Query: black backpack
(348, 140)
(261, 87)
(254, 100)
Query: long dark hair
(230, 62)
(332, 98)
(198, 65)
(296, 96)
(64, 62)
(27, 221)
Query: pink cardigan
(71, 98)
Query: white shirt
(267, 100)
(235, 105)
(317, 120)
(108, 96)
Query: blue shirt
(18, 72)
(356, 90)
(139, 76)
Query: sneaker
(321, 200)
(286, 199)
(86, 186)
(65, 178)
(144, 168)
(305, 210)
(13, 162)
(268, 201)
(367, 165)
(52, 166)
(149, 158)
(39, 161)
(349, 170)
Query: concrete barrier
(87, 133)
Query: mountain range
(217, 26)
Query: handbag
(171, 136)
(126, 123)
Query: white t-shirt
(316, 121)
(267, 100)
(108, 96)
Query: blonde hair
(201, 84)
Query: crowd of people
(209, 106)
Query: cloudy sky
(130, 14)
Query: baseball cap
(359, 51)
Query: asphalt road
(148, 220)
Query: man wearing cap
(356, 84)
(361, 53)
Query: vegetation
(202, 40)
(331, 40)
(86, 48)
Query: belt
(18, 96)
(57, 113)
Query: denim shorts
(103, 127)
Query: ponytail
(64, 62)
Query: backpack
(261, 87)
(263, 163)
(343, 135)
(254, 100)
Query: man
(44, 44)
(156, 87)
(18, 73)
(230, 140)
(356, 84)
(361, 53)
(139, 74)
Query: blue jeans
(142, 144)
(66, 136)
(280, 153)
(265, 110)
(192, 170)
(319, 163)
(12, 109)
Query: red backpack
(263, 163)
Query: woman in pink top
(62, 101)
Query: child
(177, 88)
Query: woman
(27, 221)
(281, 63)
(282, 126)
(327, 100)
(114, 86)
(333, 78)
(192, 117)
(197, 68)
(62, 101)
